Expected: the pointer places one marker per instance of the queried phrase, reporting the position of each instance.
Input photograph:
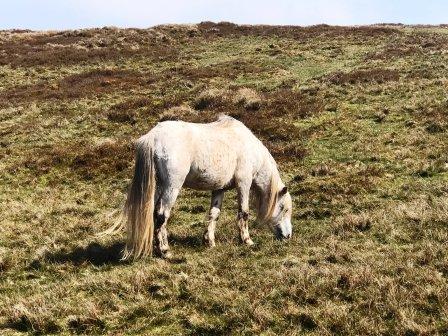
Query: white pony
(217, 156)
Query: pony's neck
(267, 184)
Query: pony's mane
(272, 199)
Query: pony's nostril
(288, 236)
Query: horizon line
(378, 24)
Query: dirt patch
(100, 81)
(131, 104)
(88, 160)
(287, 152)
(55, 57)
(295, 103)
(39, 56)
(378, 75)
(126, 112)
(108, 158)
(90, 83)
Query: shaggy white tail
(114, 229)
(139, 207)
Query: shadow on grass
(94, 253)
(24, 324)
(100, 255)
(190, 241)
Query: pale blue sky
(70, 14)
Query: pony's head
(279, 214)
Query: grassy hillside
(357, 119)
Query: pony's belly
(201, 180)
(212, 167)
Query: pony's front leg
(213, 214)
(243, 215)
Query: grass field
(356, 117)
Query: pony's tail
(114, 229)
(139, 208)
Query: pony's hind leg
(213, 214)
(163, 211)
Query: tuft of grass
(33, 318)
(248, 98)
(351, 222)
(183, 112)
(211, 98)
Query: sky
(74, 14)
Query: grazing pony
(217, 156)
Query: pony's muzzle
(280, 235)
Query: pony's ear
(283, 191)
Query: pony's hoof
(166, 255)
(209, 243)
(249, 242)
